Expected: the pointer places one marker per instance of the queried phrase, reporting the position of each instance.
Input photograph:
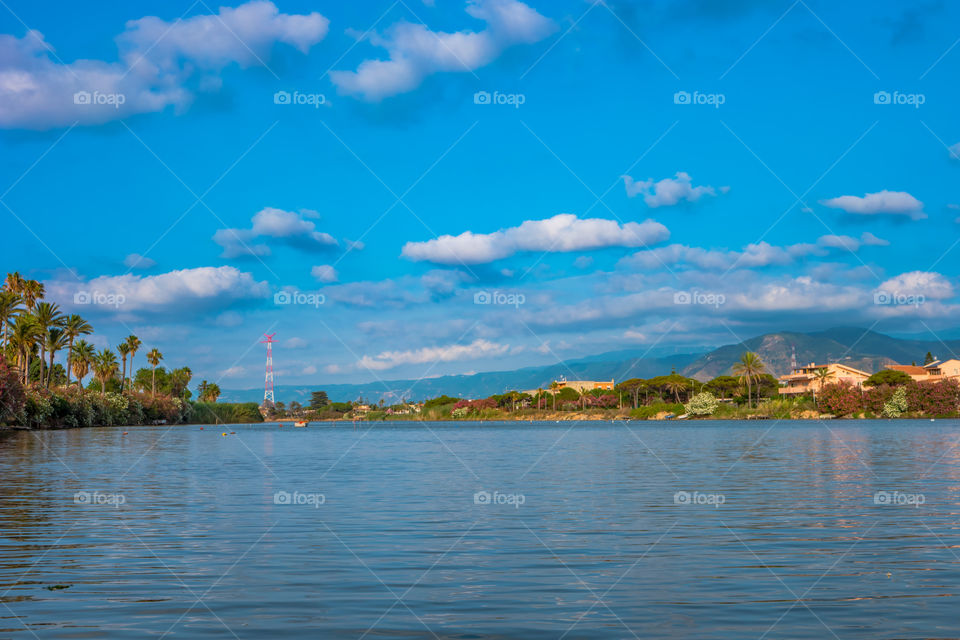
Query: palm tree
(105, 368)
(750, 368)
(124, 350)
(74, 326)
(15, 282)
(675, 385)
(210, 391)
(553, 391)
(32, 292)
(154, 357)
(54, 340)
(24, 334)
(48, 316)
(9, 309)
(539, 397)
(179, 381)
(134, 344)
(820, 375)
(82, 355)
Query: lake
(708, 529)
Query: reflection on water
(648, 530)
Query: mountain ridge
(856, 347)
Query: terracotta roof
(910, 369)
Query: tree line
(45, 358)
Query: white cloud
(669, 191)
(185, 288)
(289, 227)
(159, 64)
(402, 292)
(137, 261)
(561, 233)
(929, 284)
(429, 355)
(324, 273)
(416, 52)
(228, 319)
(583, 262)
(761, 254)
(866, 239)
(870, 240)
(295, 343)
(895, 203)
(233, 372)
(309, 370)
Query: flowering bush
(840, 398)
(460, 413)
(702, 404)
(875, 398)
(897, 404)
(38, 408)
(12, 397)
(934, 399)
(475, 405)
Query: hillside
(614, 365)
(859, 348)
(866, 350)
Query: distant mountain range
(859, 348)
(866, 350)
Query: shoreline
(14, 428)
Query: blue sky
(448, 186)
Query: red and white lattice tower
(268, 380)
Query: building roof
(832, 364)
(910, 369)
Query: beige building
(584, 385)
(805, 379)
(933, 372)
(579, 386)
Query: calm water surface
(652, 530)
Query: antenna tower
(268, 399)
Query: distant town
(811, 391)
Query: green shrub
(222, 412)
(651, 410)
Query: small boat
(300, 423)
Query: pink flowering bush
(840, 399)
(933, 399)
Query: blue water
(647, 530)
